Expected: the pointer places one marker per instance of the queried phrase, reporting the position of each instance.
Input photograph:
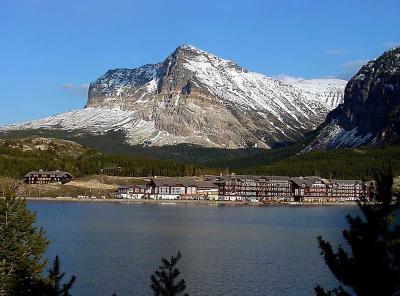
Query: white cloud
(76, 89)
(287, 78)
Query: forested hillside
(342, 163)
(17, 157)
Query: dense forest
(359, 163)
(341, 163)
(15, 163)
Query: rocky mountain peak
(196, 97)
(185, 52)
(371, 108)
(189, 55)
(190, 49)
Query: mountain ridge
(198, 98)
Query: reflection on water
(226, 250)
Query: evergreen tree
(163, 280)
(22, 246)
(52, 285)
(373, 266)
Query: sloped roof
(283, 178)
(347, 181)
(206, 184)
(174, 181)
(252, 177)
(298, 180)
(308, 181)
(311, 180)
(184, 182)
(132, 186)
(56, 173)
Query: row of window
(40, 182)
(44, 179)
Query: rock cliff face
(198, 98)
(371, 109)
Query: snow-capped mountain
(371, 109)
(196, 97)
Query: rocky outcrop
(371, 109)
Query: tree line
(341, 163)
(336, 164)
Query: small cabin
(111, 171)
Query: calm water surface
(227, 250)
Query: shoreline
(185, 202)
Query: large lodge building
(249, 188)
(46, 177)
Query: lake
(227, 250)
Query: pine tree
(373, 266)
(22, 246)
(52, 285)
(163, 280)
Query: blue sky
(51, 50)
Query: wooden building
(254, 188)
(316, 189)
(231, 188)
(278, 188)
(311, 189)
(347, 190)
(182, 188)
(111, 171)
(46, 177)
(133, 191)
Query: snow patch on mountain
(102, 120)
(328, 91)
(334, 136)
